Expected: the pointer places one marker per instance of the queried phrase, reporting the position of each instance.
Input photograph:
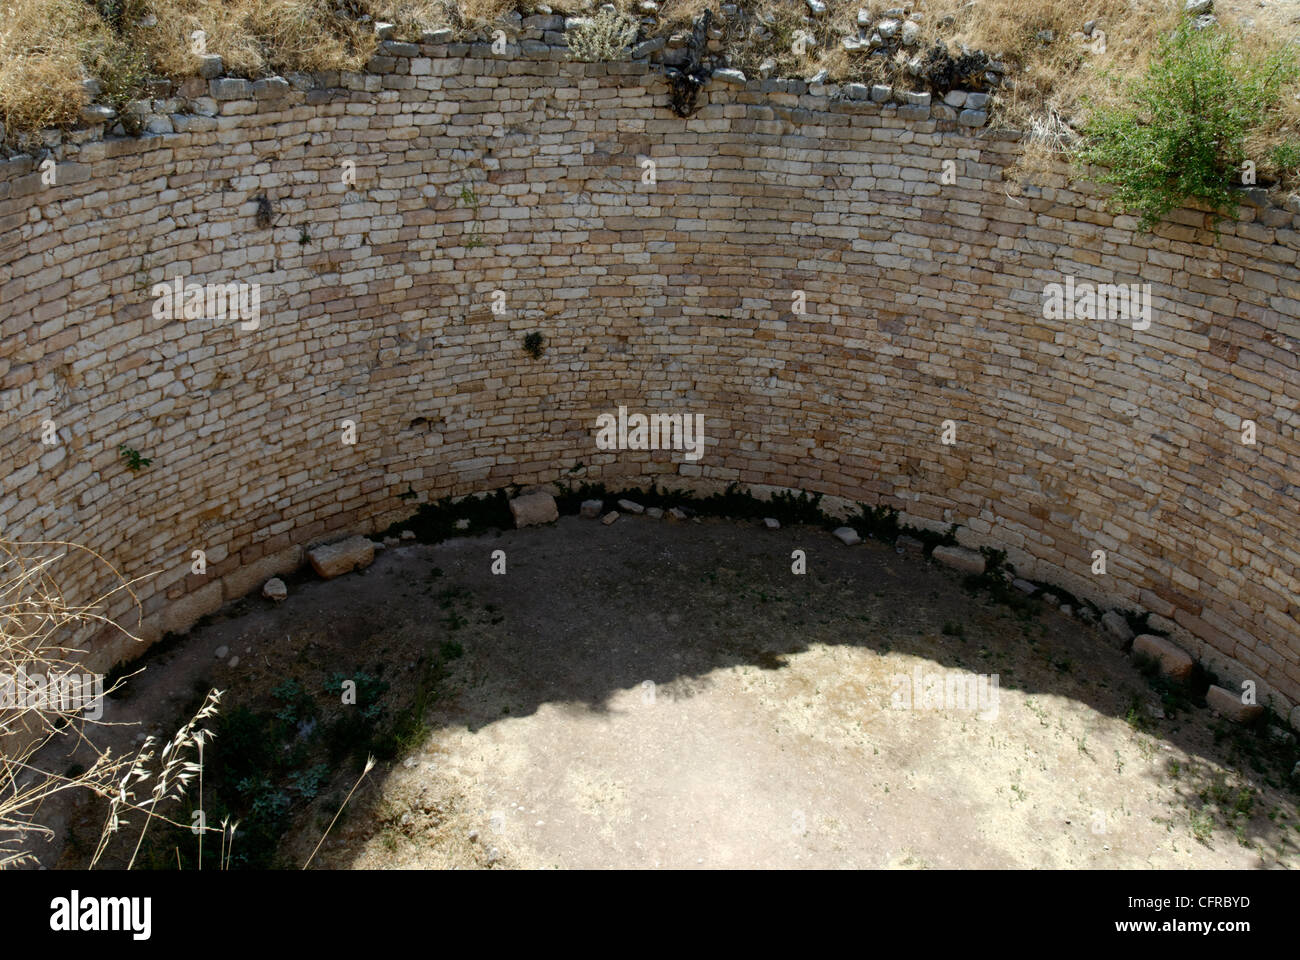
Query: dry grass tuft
(43, 45)
(42, 636)
(253, 37)
(413, 17)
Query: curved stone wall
(921, 283)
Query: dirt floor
(655, 694)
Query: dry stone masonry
(837, 279)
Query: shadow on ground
(657, 694)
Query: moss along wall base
(396, 204)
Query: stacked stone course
(523, 173)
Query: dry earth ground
(671, 695)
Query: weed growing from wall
(134, 461)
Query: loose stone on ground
(534, 509)
(335, 559)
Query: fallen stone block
(848, 535)
(534, 509)
(772, 523)
(1228, 705)
(630, 506)
(275, 590)
(609, 518)
(654, 513)
(590, 509)
(335, 559)
(1174, 660)
(959, 558)
(1024, 586)
(678, 514)
(1114, 624)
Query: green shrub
(1181, 134)
(1285, 158)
